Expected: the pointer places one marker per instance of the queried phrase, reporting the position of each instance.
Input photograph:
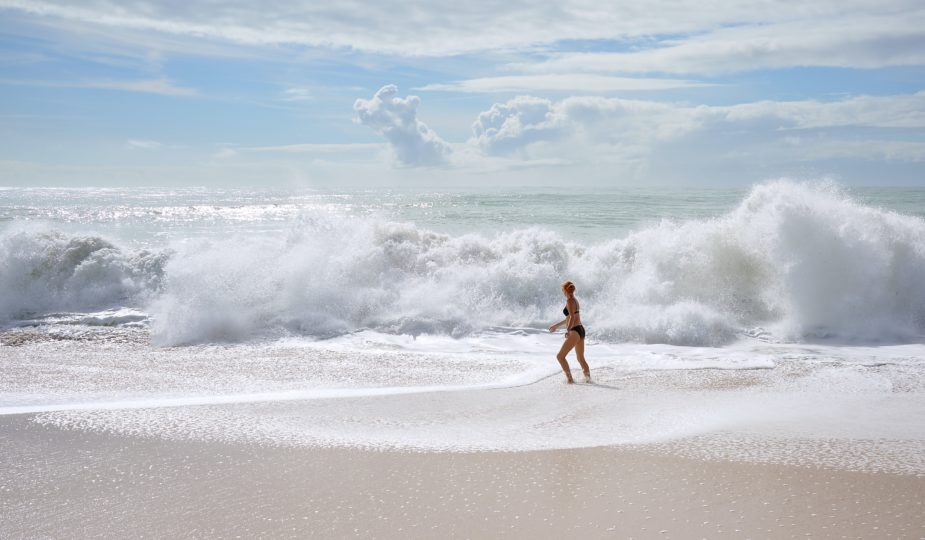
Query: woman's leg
(580, 352)
(569, 343)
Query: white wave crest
(47, 271)
(801, 259)
(797, 260)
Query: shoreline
(467, 395)
(61, 483)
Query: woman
(574, 335)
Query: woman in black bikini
(574, 336)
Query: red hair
(568, 287)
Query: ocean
(417, 319)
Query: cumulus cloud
(519, 122)
(395, 118)
(582, 125)
(506, 127)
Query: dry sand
(74, 484)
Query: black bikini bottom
(578, 328)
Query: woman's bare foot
(587, 376)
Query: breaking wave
(797, 260)
(44, 272)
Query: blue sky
(424, 93)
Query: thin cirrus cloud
(150, 144)
(323, 148)
(160, 86)
(865, 42)
(151, 86)
(821, 29)
(144, 144)
(578, 82)
(296, 94)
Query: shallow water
(495, 392)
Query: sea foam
(799, 259)
(44, 271)
(792, 261)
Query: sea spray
(799, 260)
(335, 275)
(802, 259)
(45, 271)
(841, 269)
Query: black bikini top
(565, 311)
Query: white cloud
(395, 118)
(903, 111)
(506, 127)
(225, 153)
(326, 148)
(149, 144)
(736, 34)
(878, 150)
(646, 135)
(297, 94)
(151, 86)
(511, 126)
(852, 40)
(579, 82)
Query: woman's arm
(556, 326)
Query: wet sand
(75, 484)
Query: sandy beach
(104, 436)
(74, 484)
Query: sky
(430, 94)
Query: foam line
(260, 397)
